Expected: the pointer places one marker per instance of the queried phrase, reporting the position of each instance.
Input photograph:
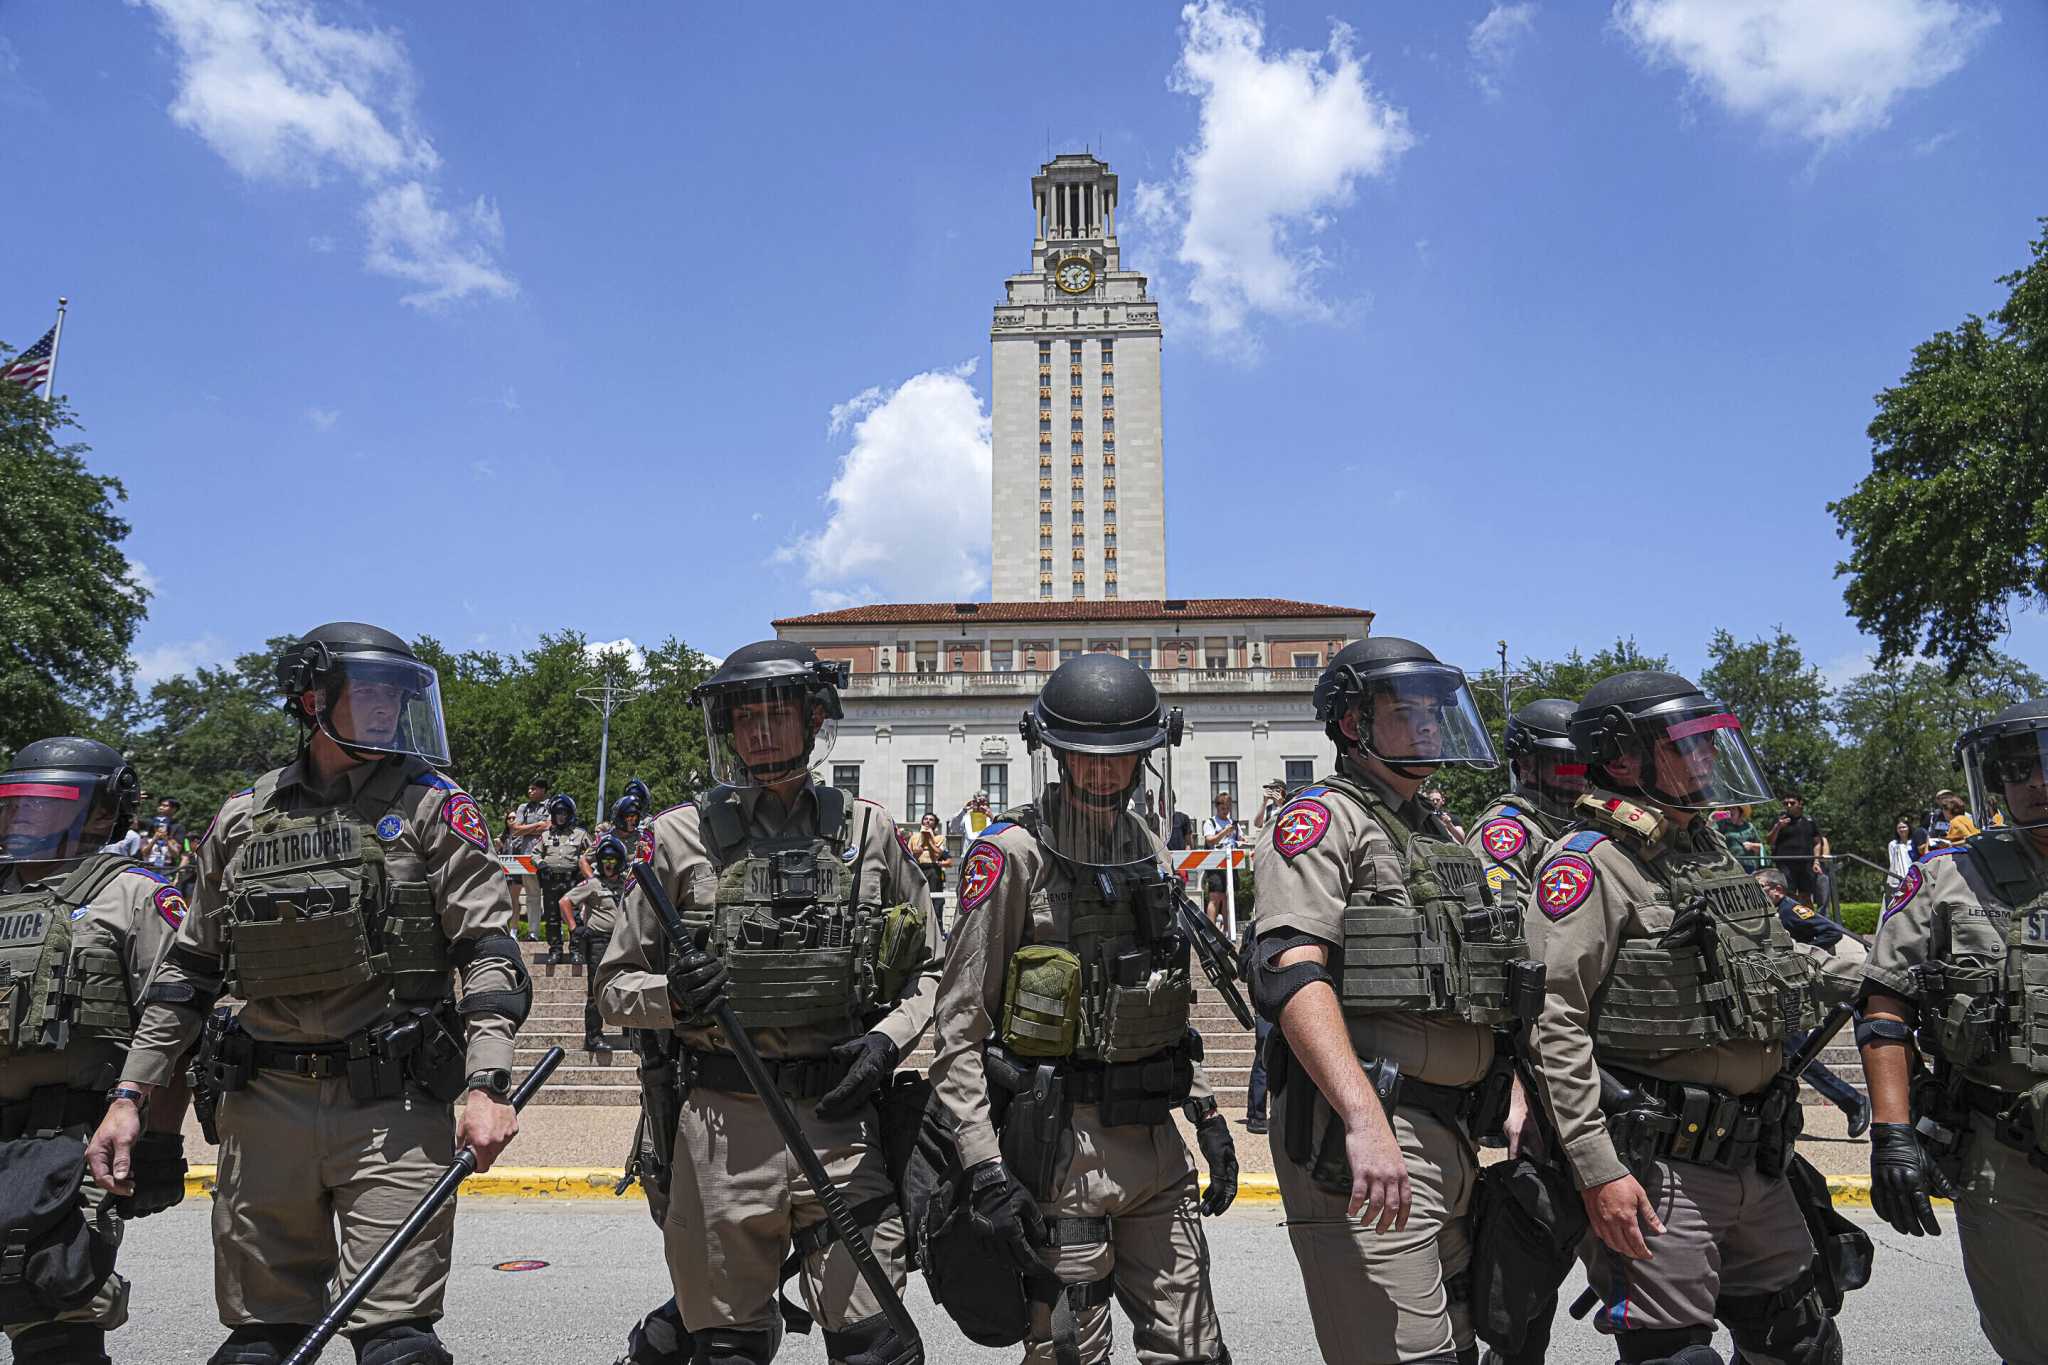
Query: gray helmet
(1098, 717)
(1097, 704)
(1429, 698)
(402, 695)
(1688, 749)
(63, 798)
(791, 698)
(1539, 749)
(2004, 755)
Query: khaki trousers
(108, 1307)
(737, 1199)
(1141, 1178)
(311, 1185)
(2002, 1218)
(1378, 1298)
(1725, 1232)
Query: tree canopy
(1949, 530)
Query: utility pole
(607, 697)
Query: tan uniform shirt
(527, 814)
(995, 920)
(561, 848)
(1510, 838)
(1949, 910)
(1586, 902)
(632, 981)
(438, 837)
(596, 903)
(135, 914)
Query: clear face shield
(383, 704)
(767, 734)
(1421, 715)
(1696, 759)
(1552, 777)
(52, 817)
(1085, 809)
(2009, 774)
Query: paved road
(604, 1269)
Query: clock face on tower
(1075, 276)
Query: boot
(595, 1043)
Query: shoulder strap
(1998, 851)
(1025, 817)
(91, 876)
(1382, 814)
(388, 781)
(720, 810)
(265, 790)
(835, 812)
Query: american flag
(32, 366)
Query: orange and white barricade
(1215, 860)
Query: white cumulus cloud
(1284, 139)
(908, 512)
(282, 94)
(141, 582)
(1822, 70)
(636, 657)
(159, 662)
(323, 419)
(1495, 41)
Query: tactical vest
(1993, 1012)
(1444, 953)
(1104, 974)
(53, 986)
(802, 948)
(1725, 972)
(313, 906)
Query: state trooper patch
(1908, 885)
(1300, 827)
(388, 828)
(1502, 838)
(170, 904)
(1563, 884)
(979, 874)
(466, 820)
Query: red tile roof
(1118, 609)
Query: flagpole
(56, 340)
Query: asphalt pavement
(599, 1267)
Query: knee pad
(1667, 1346)
(725, 1346)
(871, 1341)
(61, 1343)
(660, 1339)
(400, 1343)
(260, 1343)
(1791, 1325)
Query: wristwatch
(130, 1094)
(494, 1081)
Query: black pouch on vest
(51, 1260)
(1842, 1258)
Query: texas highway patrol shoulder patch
(1300, 827)
(1563, 884)
(1502, 838)
(170, 904)
(979, 874)
(465, 819)
(1908, 886)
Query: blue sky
(1544, 320)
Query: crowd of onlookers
(156, 837)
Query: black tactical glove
(1001, 1209)
(1219, 1154)
(157, 1167)
(1901, 1178)
(696, 981)
(871, 1061)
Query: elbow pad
(202, 986)
(1870, 1031)
(1273, 987)
(514, 1004)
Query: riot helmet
(637, 789)
(371, 694)
(1403, 706)
(1657, 736)
(1092, 731)
(612, 850)
(771, 711)
(626, 807)
(2005, 765)
(1546, 768)
(64, 798)
(562, 811)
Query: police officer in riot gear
(1548, 779)
(344, 898)
(814, 923)
(631, 826)
(1954, 981)
(1066, 957)
(593, 910)
(1385, 1065)
(559, 853)
(81, 932)
(1668, 1095)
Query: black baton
(458, 1170)
(836, 1211)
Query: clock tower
(1079, 482)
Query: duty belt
(796, 1078)
(51, 1109)
(321, 1061)
(1702, 1124)
(2012, 1121)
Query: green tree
(1782, 702)
(204, 736)
(1949, 530)
(68, 608)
